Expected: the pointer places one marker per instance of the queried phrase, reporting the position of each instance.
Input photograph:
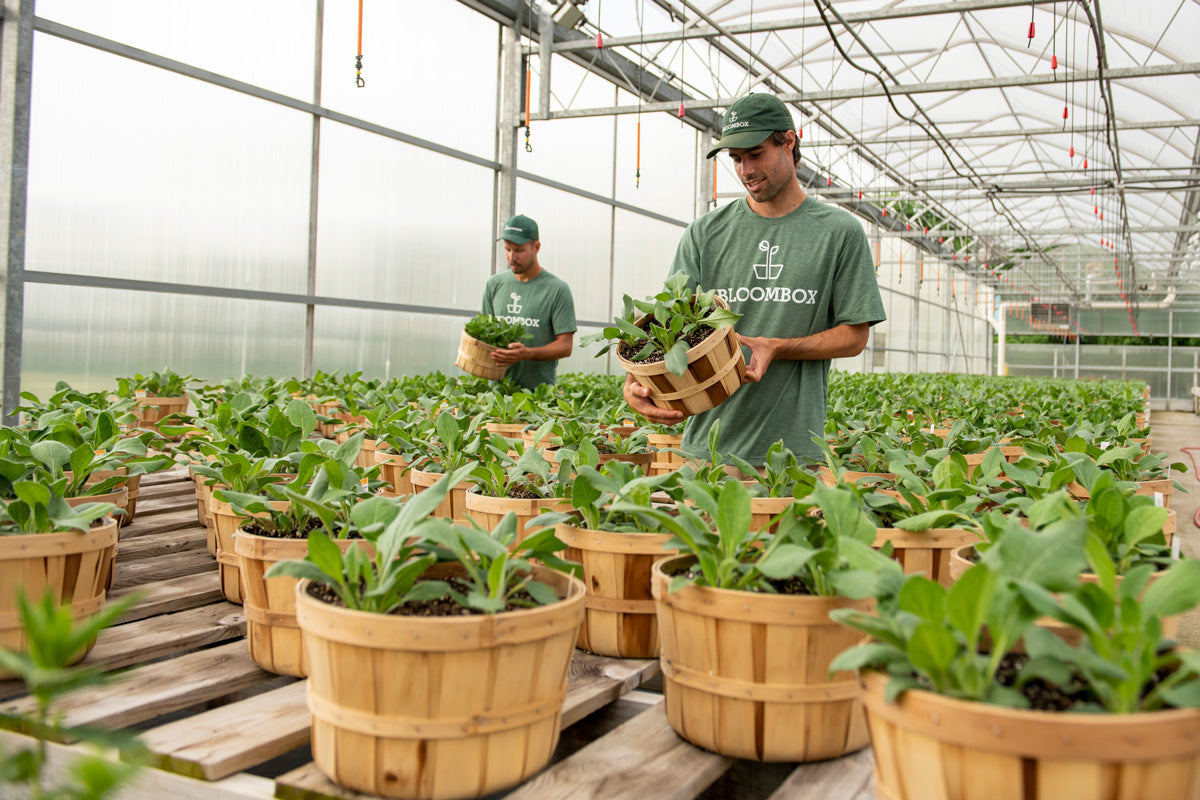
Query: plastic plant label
(100, 452)
(139, 393)
(1158, 499)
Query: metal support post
(16, 80)
(510, 119)
(310, 311)
(1170, 352)
(545, 51)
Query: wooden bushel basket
(225, 524)
(927, 552)
(438, 707)
(270, 603)
(454, 505)
(76, 567)
(764, 509)
(152, 410)
(747, 675)
(715, 371)
(392, 468)
(664, 461)
(927, 745)
(621, 619)
(475, 358)
(488, 511)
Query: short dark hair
(780, 139)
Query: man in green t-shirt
(528, 294)
(800, 273)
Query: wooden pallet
(220, 728)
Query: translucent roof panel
(1059, 166)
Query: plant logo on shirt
(514, 310)
(768, 271)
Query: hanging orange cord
(877, 243)
(638, 175)
(358, 78)
(528, 90)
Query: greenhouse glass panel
(388, 229)
(644, 251)
(577, 152)
(670, 156)
(187, 32)
(385, 344)
(164, 189)
(576, 244)
(110, 334)
(429, 69)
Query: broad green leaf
(1175, 591)
(677, 357)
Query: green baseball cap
(750, 120)
(519, 230)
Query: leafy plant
(54, 638)
(39, 508)
(407, 541)
(828, 554)
(927, 636)
(666, 325)
(597, 492)
(167, 383)
(387, 580)
(954, 641)
(498, 567)
(495, 331)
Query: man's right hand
(637, 396)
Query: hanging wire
(642, 56)
(358, 78)
(682, 55)
(529, 78)
(1031, 8)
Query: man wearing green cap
(528, 294)
(800, 273)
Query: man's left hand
(762, 353)
(506, 357)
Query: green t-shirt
(789, 276)
(543, 305)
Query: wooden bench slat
(161, 523)
(848, 778)
(595, 681)
(164, 544)
(640, 758)
(148, 570)
(171, 595)
(146, 692)
(231, 738)
(165, 635)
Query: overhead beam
(796, 23)
(606, 62)
(826, 95)
(1009, 133)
